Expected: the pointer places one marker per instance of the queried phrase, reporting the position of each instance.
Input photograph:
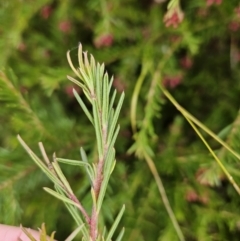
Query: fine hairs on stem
(96, 86)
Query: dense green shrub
(193, 50)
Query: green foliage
(97, 88)
(198, 61)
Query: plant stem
(193, 121)
(81, 208)
(163, 194)
(99, 176)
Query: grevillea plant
(97, 87)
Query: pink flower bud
(212, 2)
(173, 17)
(105, 40)
(233, 26)
(191, 196)
(172, 81)
(46, 12)
(186, 62)
(65, 26)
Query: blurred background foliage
(194, 50)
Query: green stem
(192, 120)
(197, 122)
(163, 194)
(230, 178)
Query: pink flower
(212, 2)
(191, 196)
(173, 17)
(65, 26)
(186, 62)
(104, 40)
(172, 81)
(46, 11)
(233, 26)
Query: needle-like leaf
(115, 224)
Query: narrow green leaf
(71, 65)
(94, 169)
(111, 144)
(88, 95)
(93, 70)
(86, 62)
(59, 196)
(81, 103)
(42, 166)
(120, 236)
(45, 169)
(102, 67)
(115, 118)
(81, 85)
(89, 170)
(74, 233)
(86, 79)
(97, 125)
(105, 99)
(93, 65)
(109, 161)
(112, 100)
(83, 155)
(102, 192)
(73, 162)
(89, 70)
(99, 85)
(110, 85)
(113, 166)
(110, 157)
(80, 56)
(110, 118)
(106, 177)
(61, 176)
(75, 214)
(104, 232)
(115, 224)
(225, 131)
(98, 238)
(93, 197)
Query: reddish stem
(81, 208)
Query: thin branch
(163, 194)
(81, 208)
